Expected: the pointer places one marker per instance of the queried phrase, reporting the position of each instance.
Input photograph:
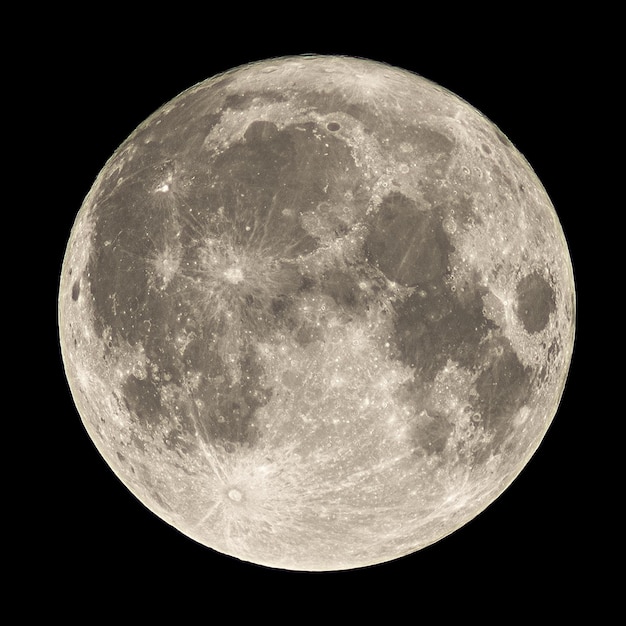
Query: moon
(317, 312)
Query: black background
(538, 544)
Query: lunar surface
(317, 312)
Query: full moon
(317, 312)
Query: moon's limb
(317, 313)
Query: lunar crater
(316, 313)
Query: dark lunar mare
(407, 244)
(535, 302)
(437, 323)
(250, 195)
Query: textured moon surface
(317, 312)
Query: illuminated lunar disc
(317, 312)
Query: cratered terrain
(317, 312)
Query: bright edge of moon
(317, 312)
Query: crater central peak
(234, 275)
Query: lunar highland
(317, 312)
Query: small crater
(235, 495)
(333, 126)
